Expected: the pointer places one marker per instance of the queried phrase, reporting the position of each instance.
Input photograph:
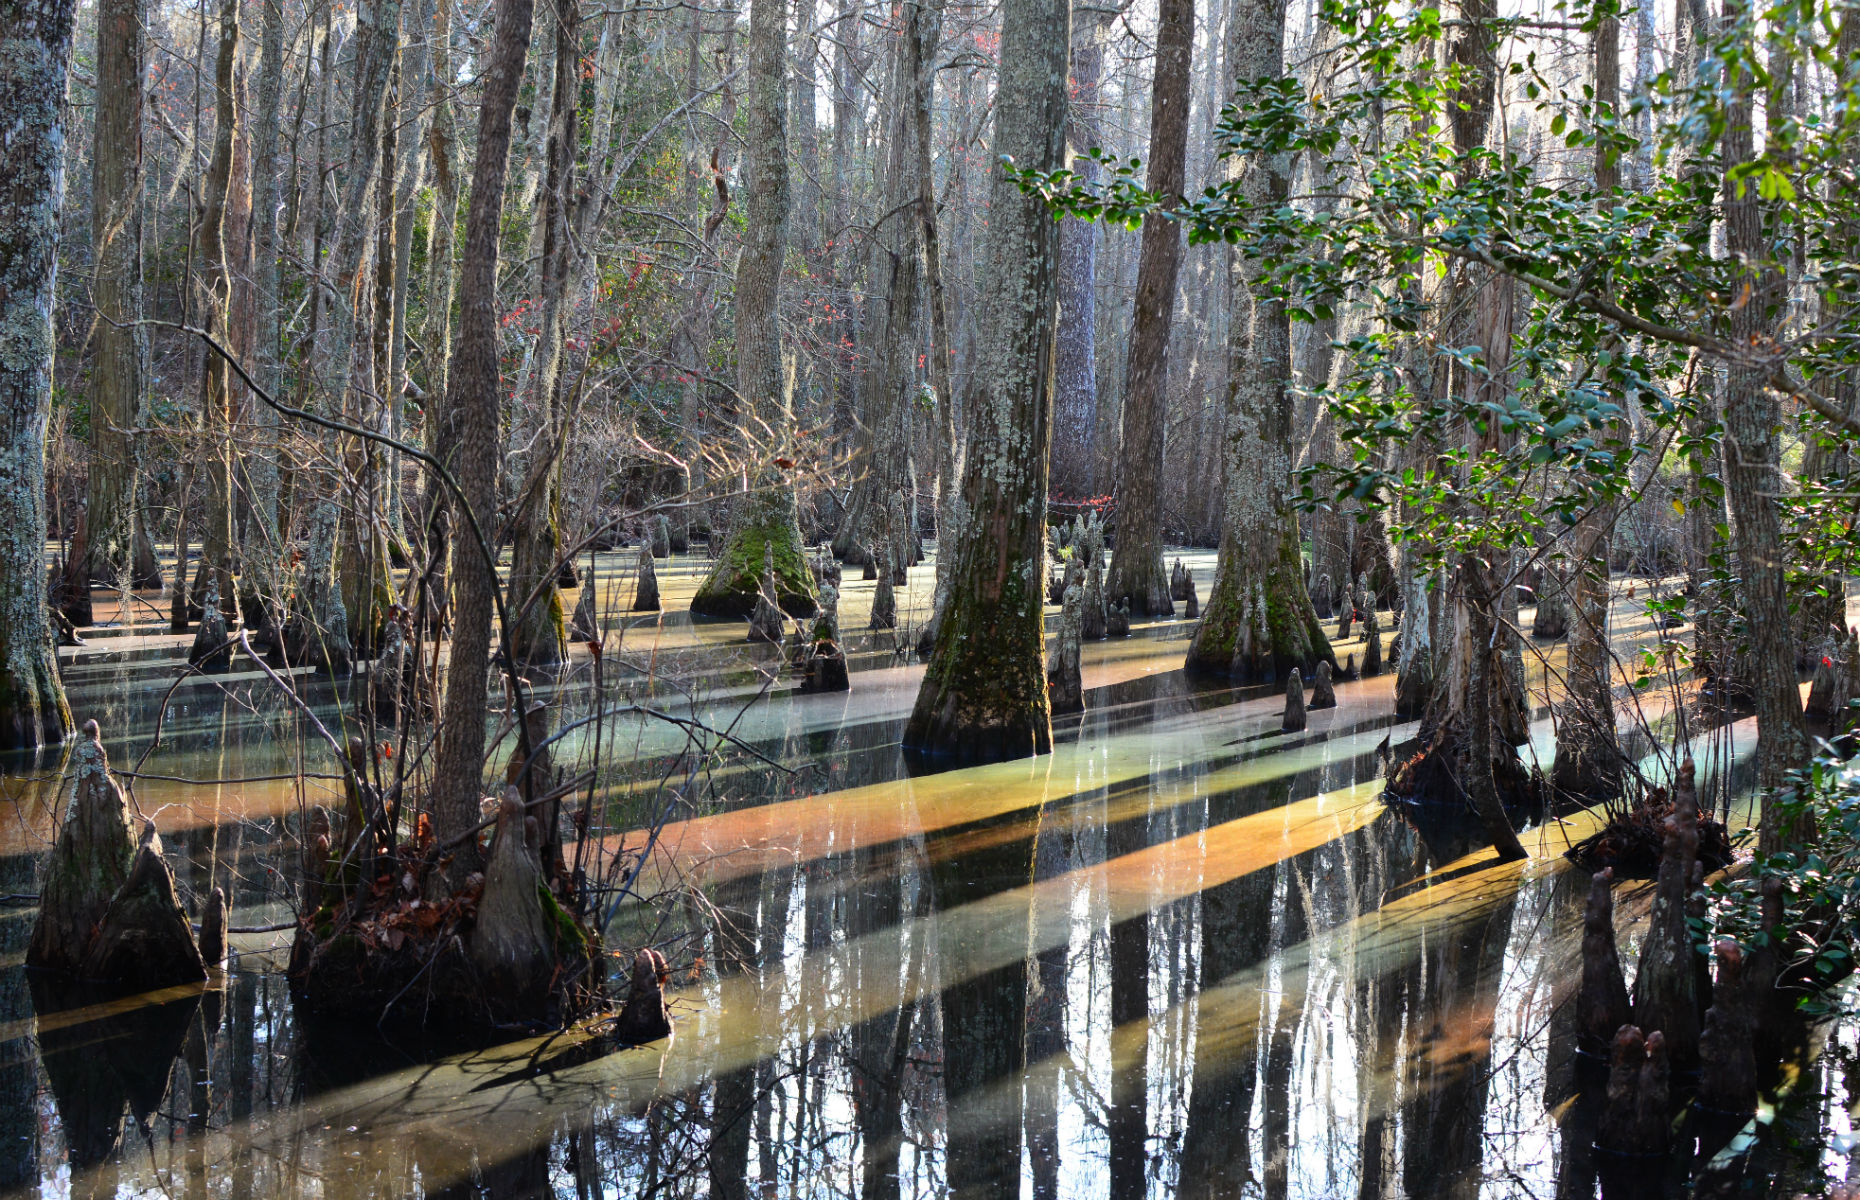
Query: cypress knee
(1322, 694)
(1065, 687)
(885, 599)
(89, 863)
(1727, 1044)
(1294, 703)
(646, 589)
(645, 1018)
(213, 929)
(1602, 1001)
(584, 625)
(1627, 1055)
(1665, 986)
(211, 653)
(144, 940)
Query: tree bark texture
(984, 695)
(261, 463)
(469, 438)
(1588, 760)
(538, 636)
(1137, 575)
(1259, 623)
(1075, 390)
(35, 58)
(215, 300)
(767, 518)
(1753, 473)
(891, 321)
(116, 290)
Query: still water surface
(1183, 955)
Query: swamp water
(1185, 954)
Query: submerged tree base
(1425, 781)
(731, 588)
(501, 952)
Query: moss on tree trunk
(1259, 623)
(768, 526)
(984, 696)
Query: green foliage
(1821, 885)
(1622, 307)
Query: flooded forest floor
(1184, 954)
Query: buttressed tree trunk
(767, 518)
(347, 317)
(35, 58)
(469, 438)
(1137, 575)
(116, 290)
(537, 636)
(1753, 460)
(891, 320)
(1588, 752)
(1259, 623)
(984, 695)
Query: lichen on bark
(984, 695)
(35, 57)
(1259, 622)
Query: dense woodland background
(1433, 312)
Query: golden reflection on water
(1181, 955)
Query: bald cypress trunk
(767, 519)
(262, 531)
(1075, 370)
(1259, 623)
(1137, 574)
(891, 320)
(468, 441)
(1589, 761)
(538, 635)
(35, 57)
(984, 696)
(215, 305)
(116, 290)
(1752, 457)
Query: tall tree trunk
(891, 320)
(262, 534)
(35, 58)
(1075, 371)
(116, 290)
(377, 29)
(1753, 457)
(1588, 760)
(409, 177)
(929, 31)
(215, 308)
(1259, 623)
(709, 202)
(806, 131)
(346, 318)
(984, 696)
(767, 521)
(468, 441)
(1137, 573)
(436, 325)
(1828, 457)
(538, 635)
